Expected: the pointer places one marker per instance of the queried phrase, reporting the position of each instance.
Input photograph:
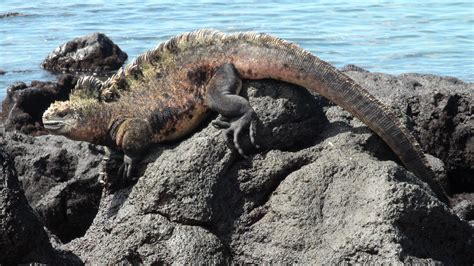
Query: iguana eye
(62, 114)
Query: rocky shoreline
(321, 189)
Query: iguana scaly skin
(167, 92)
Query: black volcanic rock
(60, 180)
(22, 237)
(319, 192)
(11, 15)
(91, 53)
(322, 188)
(439, 112)
(21, 232)
(24, 105)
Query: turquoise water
(427, 37)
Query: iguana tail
(263, 56)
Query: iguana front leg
(111, 163)
(133, 137)
(236, 112)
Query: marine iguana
(167, 92)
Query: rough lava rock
(439, 112)
(24, 105)
(21, 232)
(60, 180)
(22, 237)
(321, 189)
(463, 206)
(91, 53)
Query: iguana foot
(123, 175)
(235, 128)
(252, 132)
(118, 170)
(221, 122)
(110, 164)
(236, 112)
(126, 171)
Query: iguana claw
(252, 133)
(125, 171)
(118, 169)
(235, 128)
(221, 122)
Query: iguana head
(79, 118)
(62, 118)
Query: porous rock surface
(321, 189)
(59, 178)
(439, 113)
(22, 236)
(91, 53)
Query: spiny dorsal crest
(87, 87)
(201, 37)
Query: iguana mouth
(53, 124)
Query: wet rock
(351, 67)
(12, 14)
(24, 105)
(22, 237)
(2, 72)
(91, 53)
(438, 110)
(60, 180)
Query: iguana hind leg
(236, 112)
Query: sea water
(435, 37)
